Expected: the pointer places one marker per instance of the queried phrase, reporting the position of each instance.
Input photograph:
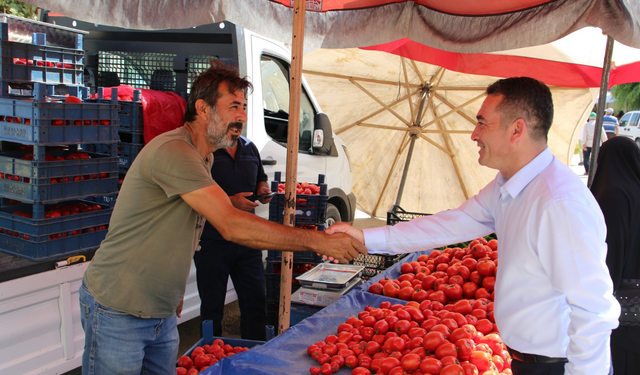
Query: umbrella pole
(414, 131)
(597, 133)
(293, 136)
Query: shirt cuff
(375, 239)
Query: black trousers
(521, 368)
(215, 262)
(586, 154)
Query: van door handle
(269, 162)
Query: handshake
(343, 243)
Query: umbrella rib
(453, 109)
(406, 82)
(436, 145)
(446, 131)
(352, 78)
(418, 73)
(447, 143)
(395, 161)
(345, 128)
(380, 102)
(386, 127)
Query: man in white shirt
(554, 303)
(586, 137)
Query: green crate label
(13, 189)
(15, 132)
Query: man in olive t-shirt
(132, 291)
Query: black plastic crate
(396, 215)
(273, 276)
(310, 209)
(376, 263)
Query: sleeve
(177, 168)
(583, 135)
(471, 220)
(617, 214)
(572, 251)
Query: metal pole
(415, 130)
(293, 136)
(597, 132)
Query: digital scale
(326, 283)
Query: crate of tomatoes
(311, 202)
(210, 349)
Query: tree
(17, 8)
(628, 95)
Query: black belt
(534, 358)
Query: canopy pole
(414, 131)
(597, 132)
(293, 135)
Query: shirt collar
(526, 174)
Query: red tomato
(483, 293)
(391, 289)
(201, 361)
(433, 340)
(406, 293)
(406, 268)
(469, 368)
(351, 361)
(465, 347)
(185, 361)
(446, 331)
(181, 371)
(446, 349)
(197, 351)
(388, 363)
(193, 371)
(453, 292)
(438, 296)
(452, 370)
(481, 359)
(376, 288)
(486, 267)
(360, 371)
(493, 244)
(488, 283)
(478, 251)
(330, 349)
(484, 326)
(72, 99)
(431, 365)
(402, 326)
(381, 327)
(315, 371)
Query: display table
(287, 352)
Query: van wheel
(638, 142)
(333, 215)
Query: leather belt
(534, 358)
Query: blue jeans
(119, 343)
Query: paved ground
(190, 330)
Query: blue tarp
(287, 352)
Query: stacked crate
(311, 212)
(45, 177)
(130, 137)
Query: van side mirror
(323, 136)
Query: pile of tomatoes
(302, 188)
(436, 332)
(446, 276)
(204, 356)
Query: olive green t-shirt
(142, 266)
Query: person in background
(616, 187)
(133, 289)
(619, 115)
(554, 303)
(238, 171)
(610, 123)
(586, 138)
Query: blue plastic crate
(298, 256)
(44, 239)
(50, 181)
(130, 112)
(43, 122)
(126, 153)
(29, 63)
(300, 312)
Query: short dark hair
(206, 85)
(526, 98)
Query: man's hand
(342, 227)
(179, 309)
(341, 248)
(241, 202)
(263, 189)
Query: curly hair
(206, 85)
(525, 98)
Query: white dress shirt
(554, 295)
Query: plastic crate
(34, 63)
(44, 239)
(40, 122)
(311, 211)
(126, 153)
(50, 181)
(396, 215)
(25, 30)
(208, 338)
(376, 263)
(298, 256)
(300, 312)
(130, 112)
(272, 279)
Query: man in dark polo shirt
(239, 172)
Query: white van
(630, 126)
(40, 331)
